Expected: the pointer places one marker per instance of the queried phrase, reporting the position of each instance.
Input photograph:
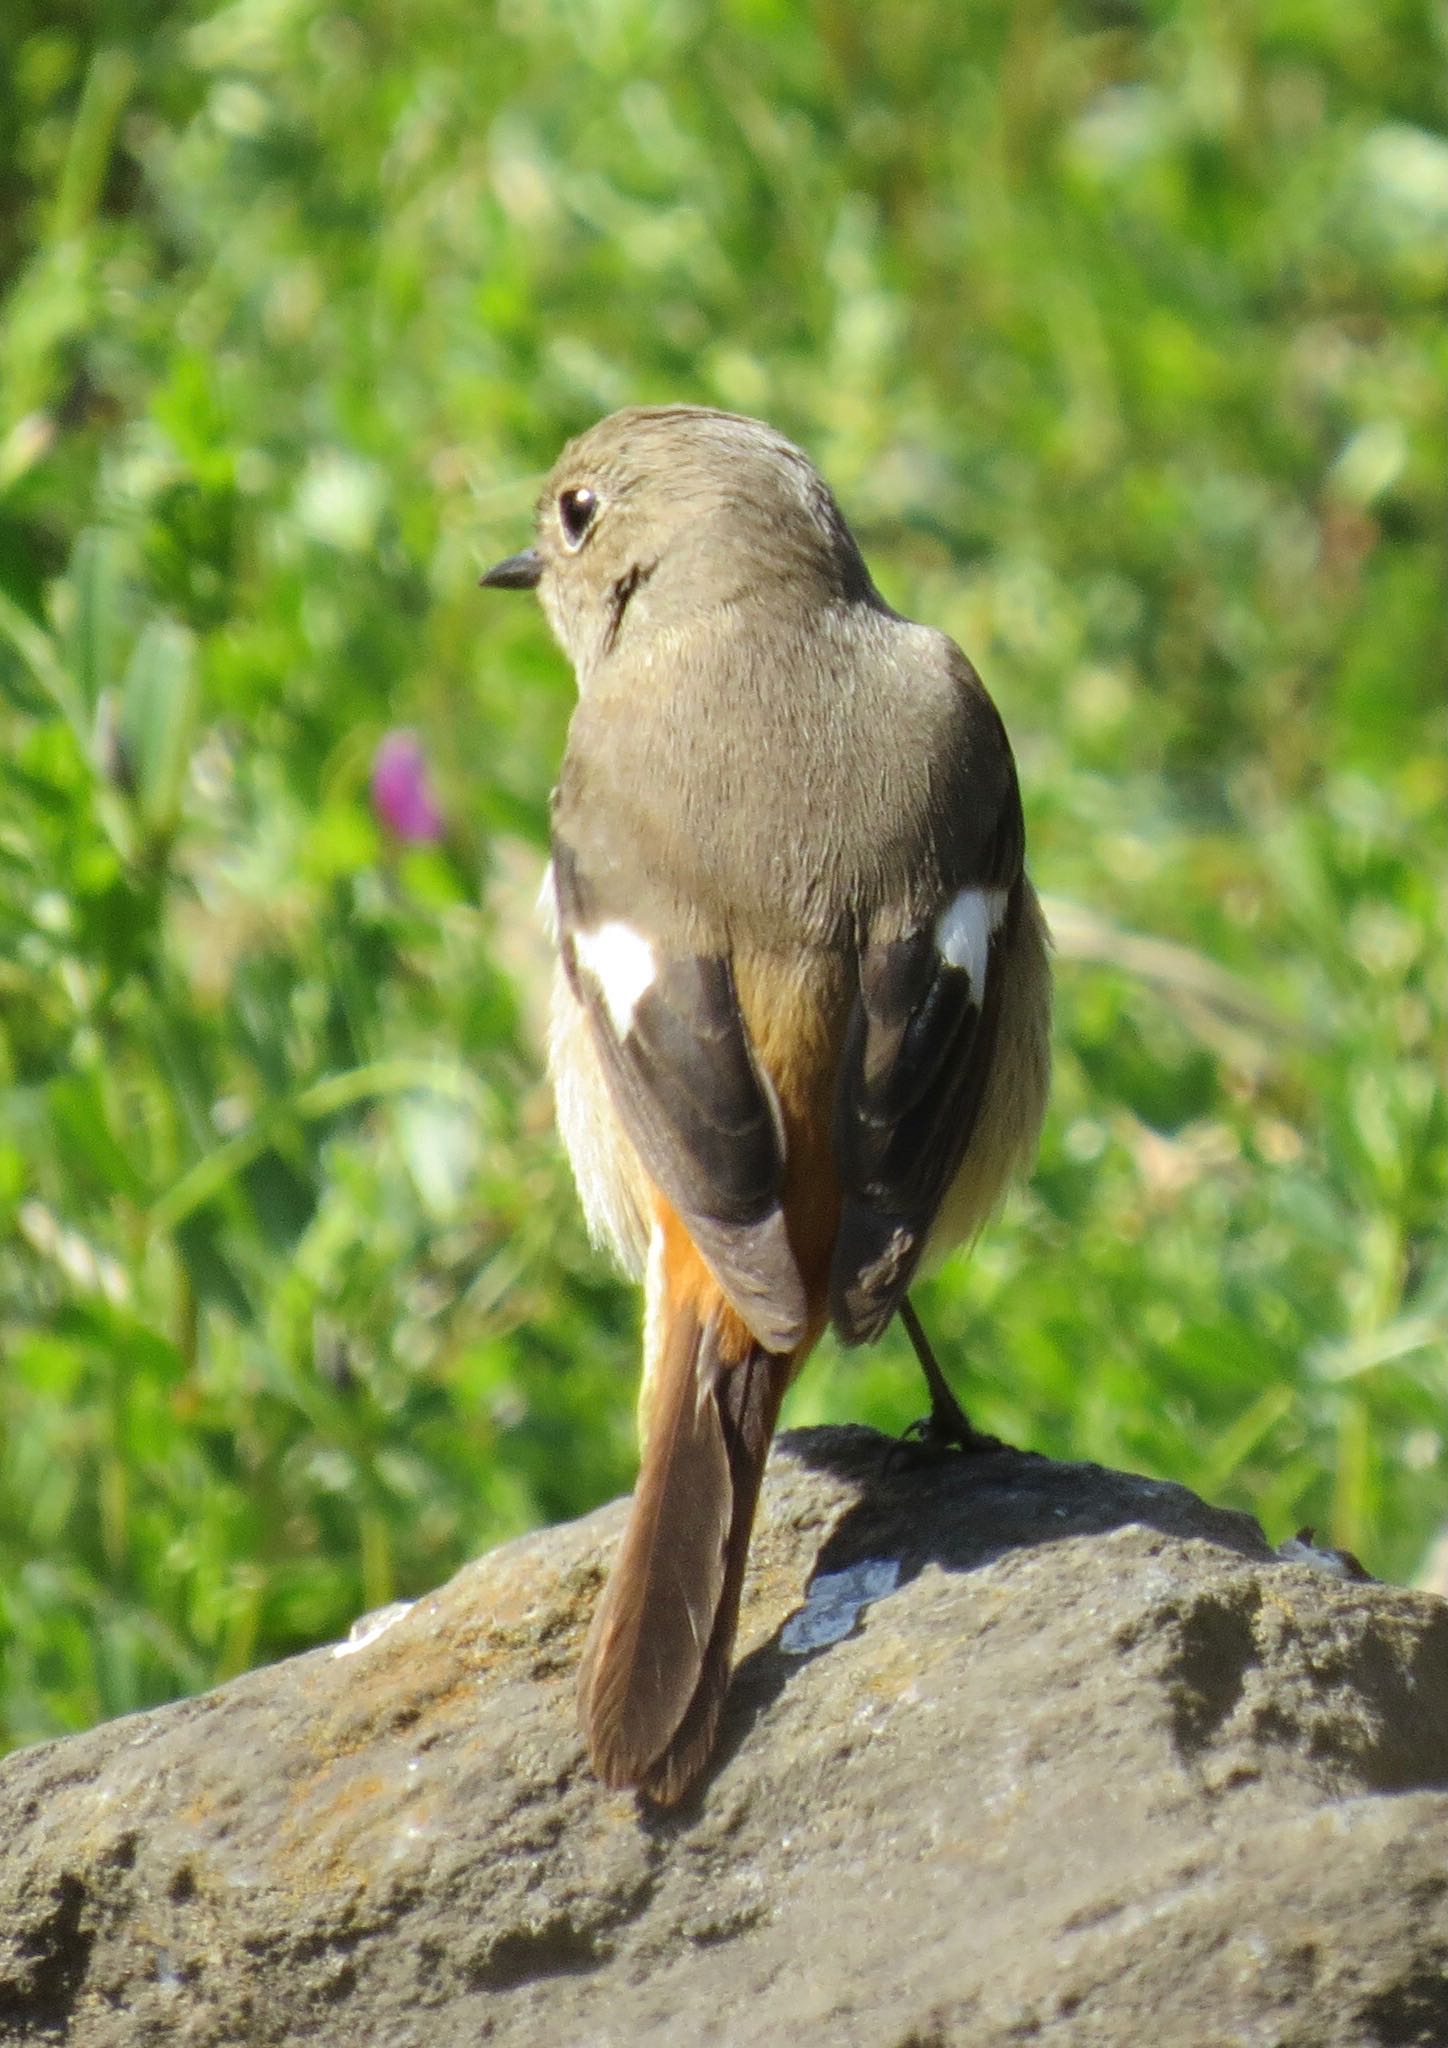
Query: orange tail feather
(656, 1665)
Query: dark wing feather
(702, 1117)
(917, 1059)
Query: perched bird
(800, 1023)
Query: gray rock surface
(1100, 1768)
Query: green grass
(1119, 331)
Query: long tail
(656, 1665)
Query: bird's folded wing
(917, 1061)
(692, 1098)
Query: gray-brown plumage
(800, 1023)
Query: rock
(1054, 1755)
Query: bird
(799, 1034)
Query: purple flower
(402, 790)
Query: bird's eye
(575, 514)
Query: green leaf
(91, 641)
(156, 721)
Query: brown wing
(917, 1058)
(698, 1109)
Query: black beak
(519, 572)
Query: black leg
(947, 1426)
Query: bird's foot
(947, 1428)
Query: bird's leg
(947, 1426)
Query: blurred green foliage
(1119, 330)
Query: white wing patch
(548, 903)
(622, 962)
(963, 932)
